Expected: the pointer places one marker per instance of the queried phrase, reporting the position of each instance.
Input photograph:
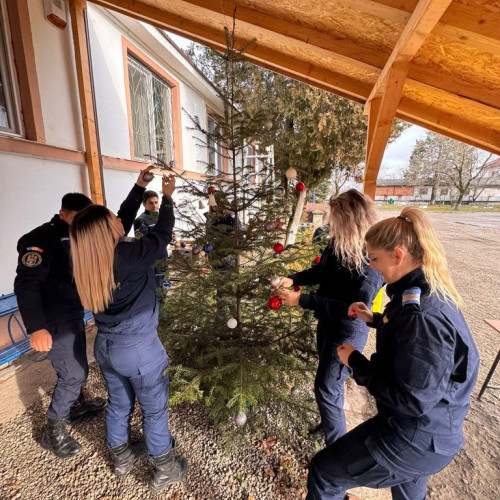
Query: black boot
(83, 409)
(56, 439)
(124, 455)
(169, 468)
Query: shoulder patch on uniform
(412, 296)
(31, 259)
(34, 249)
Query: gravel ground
(266, 467)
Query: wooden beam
(77, 9)
(423, 20)
(24, 55)
(382, 114)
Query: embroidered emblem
(31, 259)
(35, 249)
(65, 238)
(411, 296)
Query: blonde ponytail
(413, 231)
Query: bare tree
(439, 160)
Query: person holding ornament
(142, 225)
(344, 276)
(421, 375)
(115, 279)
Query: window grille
(151, 103)
(9, 108)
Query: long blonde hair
(351, 215)
(413, 231)
(93, 238)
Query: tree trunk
(458, 201)
(294, 224)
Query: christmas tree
(231, 344)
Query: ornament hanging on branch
(278, 248)
(211, 189)
(278, 224)
(317, 259)
(232, 323)
(295, 391)
(275, 302)
(207, 247)
(291, 174)
(269, 226)
(211, 200)
(183, 244)
(201, 205)
(275, 281)
(279, 191)
(300, 186)
(148, 177)
(268, 124)
(241, 419)
(196, 250)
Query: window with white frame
(9, 111)
(151, 104)
(215, 164)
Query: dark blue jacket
(44, 284)
(339, 287)
(134, 308)
(424, 368)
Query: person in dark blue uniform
(115, 279)
(421, 375)
(344, 276)
(142, 225)
(53, 317)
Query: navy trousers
(69, 360)
(350, 463)
(135, 369)
(331, 374)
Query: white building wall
(32, 189)
(55, 67)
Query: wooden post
(93, 156)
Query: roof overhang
(434, 63)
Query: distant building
(405, 191)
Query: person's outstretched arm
(130, 206)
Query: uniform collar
(413, 279)
(61, 226)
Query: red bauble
(297, 288)
(278, 248)
(211, 189)
(275, 302)
(317, 259)
(300, 186)
(278, 224)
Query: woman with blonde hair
(115, 279)
(344, 276)
(421, 375)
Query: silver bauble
(148, 177)
(279, 191)
(269, 226)
(275, 281)
(241, 419)
(295, 391)
(196, 250)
